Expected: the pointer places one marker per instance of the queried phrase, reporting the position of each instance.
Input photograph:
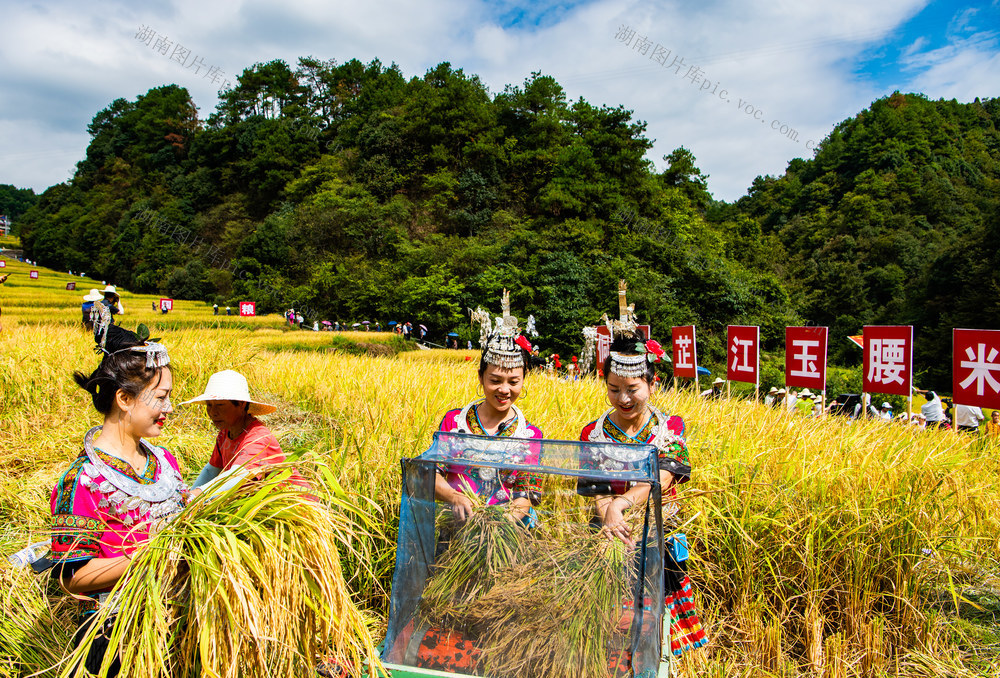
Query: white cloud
(794, 61)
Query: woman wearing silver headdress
(121, 487)
(632, 420)
(502, 369)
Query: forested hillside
(352, 191)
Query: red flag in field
(888, 360)
(3, 264)
(805, 357)
(976, 368)
(743, 359)
(685, 351)
(248, 308)
(71, 286)
(166, 304)
(604, 341)
(33, 275)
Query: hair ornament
(504, 345)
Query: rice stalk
(248, 583)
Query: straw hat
(110, 289)
(805, 393)
(772, 391)
(718, 380)
(231, 385)
(95, 295)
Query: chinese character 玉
(806, 358)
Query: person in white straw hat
(87, 308)
(243, 443)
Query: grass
(819, 547)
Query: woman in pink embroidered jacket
(501, 375)
(121, 487)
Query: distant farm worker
(3, 279)
(243, 443)
(120, 488)
(933, 409)
(502, 370)
(87, 308)
(716, 390)
(771, 396)
(113, 301)
(215, 309)
(993, 425)
(968, 418)
(618, 505)
(153, 304)
(804, 402)
(228, 311)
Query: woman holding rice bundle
(121, 488)
(502, 370)
(632, 420)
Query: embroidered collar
(658, 433)
(612, 430)
(468, 422)
(164, 488)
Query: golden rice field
(820, 548)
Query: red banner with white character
(743, 357)
(888, 360)
(805, 357)
(685, 351)
(976, 368)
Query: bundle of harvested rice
(246, 583)
(537, 603)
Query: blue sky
(758, 82)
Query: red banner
(166, 304)
(33, 275)
(3, 264)
(604, 341)
(976, 368)
(71, 287)
(888, 361)
(685, 351)
(805, 357)
(248, 308)
(743, 362)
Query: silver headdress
(628, 366)
(156, 354)
(503, 346)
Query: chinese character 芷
(886, 360)
(683, 354)
(807, 359)
(982, 366)
(744, 365)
